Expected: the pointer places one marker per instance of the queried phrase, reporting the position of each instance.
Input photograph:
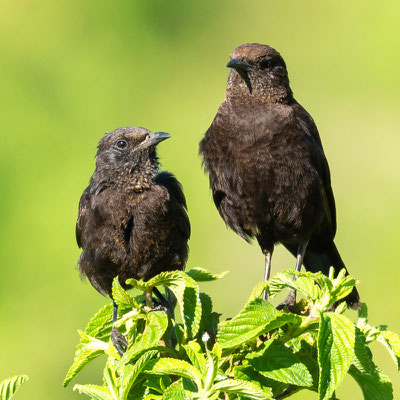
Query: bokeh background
(71, 70)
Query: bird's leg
(267, 272)
(290, 300)
(118, 339)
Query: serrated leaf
(132, 372)
(121, 297)
(202, 275)
(258, 291)
(335, 351)
(9, 386)
(374, 384)
(168, 278)
(305, 283)
(176, 392)
(95, 392)
(186, 292)
(196, 356)
(84, 354)
(100, 324)
(171, 366)
(277, 362)
(212, 368)
(270, 387)
(391, 341)
(157, 322)
(157, 383)
(242, 388)
(257, 318)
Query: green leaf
(270, 387)
(202, 275)
(131, 372)
(242, 388)
(87, 350)
(305, 283)
(335, 351)
(176, 392)
(10, 385)
(212, 368)
(196, 356)
(95, 392)
(391, 341)
(186, 292)
(168, 278)
(206, 310)
(157, 322)
(100, 324)
(257, 318)
(373, 383)
(277, 362)
(121, 297)
(171, 366)
(258, 291)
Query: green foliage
(10, 385)
(261, 353)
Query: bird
(132, 219)
(269, 176)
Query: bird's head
(259, 71)
(129, 154)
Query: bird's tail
(315, 261)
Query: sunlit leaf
(156, 325)
(277, 362)
(186, 292)
(374, 384)
(95, 392)
(335, 351)
(243, 388)
(202, 275)
(10, 385)
(391, 341)
(196, 356)
(171, 366)
(132, 372)
(257, 318)
(121, 297)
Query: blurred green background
(71, 70)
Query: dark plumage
(132, 219)
(268, 173)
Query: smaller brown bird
(132, 220)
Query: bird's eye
(266, 63)
(121, 144)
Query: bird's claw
(289, 302)
(119, 341)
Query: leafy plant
(10, 385)
(261, 353)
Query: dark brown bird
(132, 220)
(268, 173)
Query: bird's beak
(239, 64)
(155, 138)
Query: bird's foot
(160, 307)
(289, 302)
(119, 341)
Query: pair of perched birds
(268, 174)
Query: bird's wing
(174, 188)
(84, 204)
(321, 164)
